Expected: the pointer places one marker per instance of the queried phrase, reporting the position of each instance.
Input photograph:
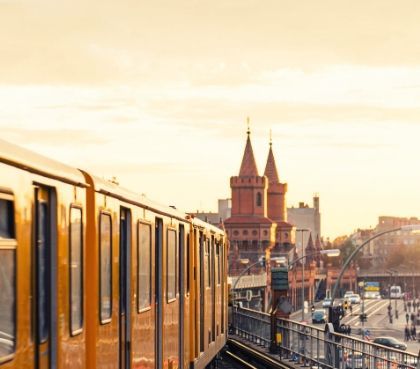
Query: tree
(346, 246)
(403, 256)
(395, 258)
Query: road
(377, 321)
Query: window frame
(187, 265)
(106, 320)
(82, 267)
(170, 300)
(149, 307)
(208, 261)
(11, 244)
(218, 258)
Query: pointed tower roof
(296, 257)
(248, 166)
(271, 168)
(310, 246)
(318, 246)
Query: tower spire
(248, 166)
(248, 124)
(271, 168)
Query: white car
(326, 303)
(354, 299)
(348, 294)
(372, 295)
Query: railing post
(273, 332)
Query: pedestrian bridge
(291, 344)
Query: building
(223, 211)
(360, 236)
(258, 218)
(385, 245)
(305, 217)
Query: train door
(159, 291)
(181, 278)
(125, 289)
(45, 279)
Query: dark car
(390, 342)
(319, 316)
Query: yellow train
(94, 276)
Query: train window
(144, 266)
(76, 270)
(6, 219)
(180, 264)
(105, 250)
(218, 262)
(188, 265)
(171, 265)
(208, 263)
(42, 275)
(7, 280)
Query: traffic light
(346, 304)
(363, 317)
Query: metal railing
(252, 325)
(315, 347)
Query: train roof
(201, 223)
(30, 161)
(112, 189)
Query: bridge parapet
(313, 346)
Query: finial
(248, 132)
(271, 137)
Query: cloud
(136, 42)
(59, 137)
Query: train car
(95, 276)
(42, 242)
(208, 316)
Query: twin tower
(259, 217)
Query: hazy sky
(156, 93)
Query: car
(348, 294)
(354, 299)
(327, 302)
(395, 292)
(319, 316)
(390, 342)
(372, 295)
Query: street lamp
(329, 253)
(410, 227)
(303, 270)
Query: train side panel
(208, 317)
(102, 282)
(46, 272)
(95, 278)
(143, 303)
